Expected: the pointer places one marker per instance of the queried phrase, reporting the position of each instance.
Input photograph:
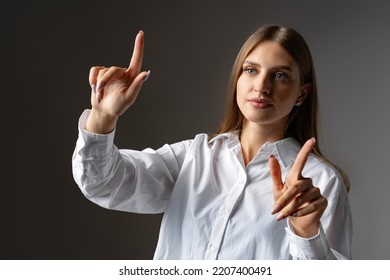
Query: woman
(258, 189)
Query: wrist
(100, 123)
(304, 232)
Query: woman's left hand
(296, 197)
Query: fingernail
(147, 76)
(93, 87)
(281, 216)
(275, 209)
(100, 85)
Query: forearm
(126, 180)
(95, 161)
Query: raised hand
(114, 90)
(296, 197)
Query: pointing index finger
(138, 52)
(301, 159)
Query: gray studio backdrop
(49, 46)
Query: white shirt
(214, 206)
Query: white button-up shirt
(214, 206)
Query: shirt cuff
(94, 145)
(312, 248)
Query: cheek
(288, 98)
(287, 94)
(238, 98)
(239, 90)
(242, 87)
(239, 85)
(285, 99)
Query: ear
(305, 91)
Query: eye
(281, 76)
(250, 70)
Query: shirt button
(211, 247)
(225, 211)
(265, 156)
(268, 145)
(241, 181)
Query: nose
(262, 84)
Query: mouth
(260, 103)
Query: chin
(262, 120)
(256, 118)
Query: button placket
(221, 221)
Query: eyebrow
(284, 67)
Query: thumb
(276, 175)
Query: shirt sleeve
(126, 180)
(333, 240)
(312, 248)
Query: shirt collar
(285, 150)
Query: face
(269, 86)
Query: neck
(254, 136)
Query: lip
(260, 103)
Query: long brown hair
(302, 122)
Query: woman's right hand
(114, 90)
